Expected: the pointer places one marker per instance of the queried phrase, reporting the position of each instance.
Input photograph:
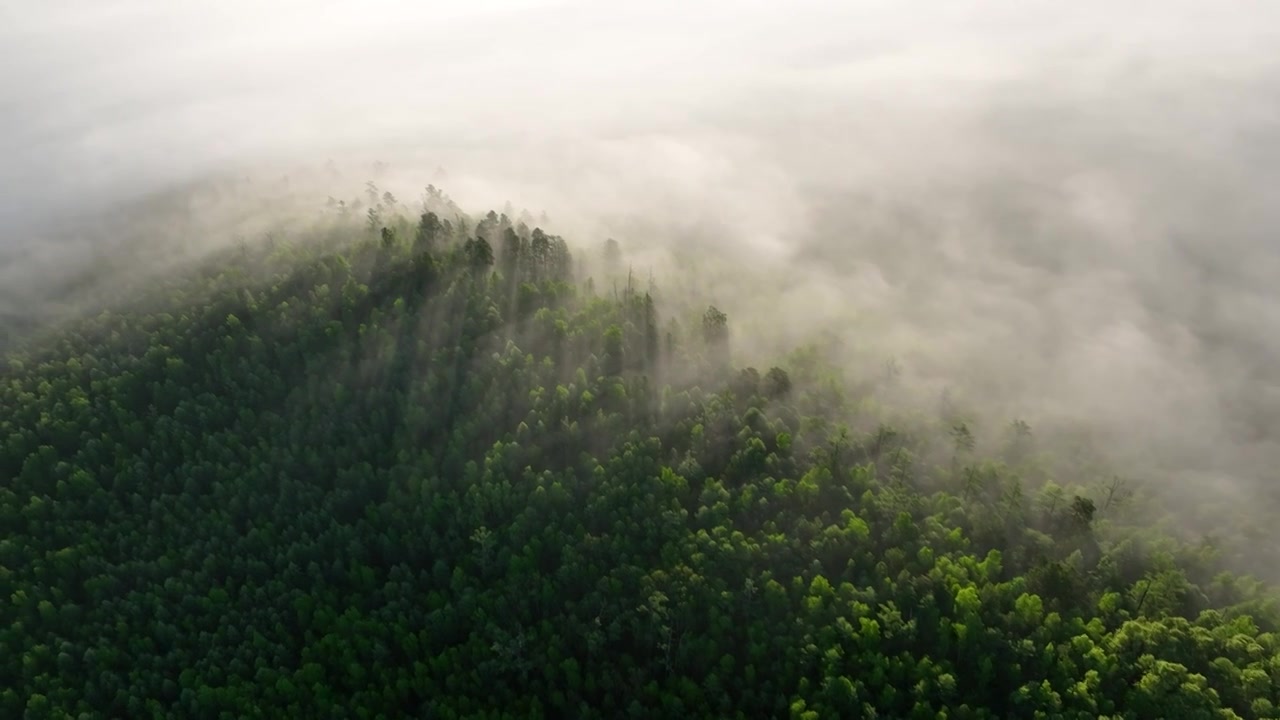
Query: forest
(419, 463)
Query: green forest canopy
(423, 466)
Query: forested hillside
(426, 467)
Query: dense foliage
(425, 469)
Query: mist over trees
(427, 468)
(808, 359)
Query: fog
(1060, 211)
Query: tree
(777, 383)
(540, 253)
(479, 253)
(612, 256)
(428, 232)
(613, 350)
(715, 334)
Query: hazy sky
(103, 96)
(1071, 206)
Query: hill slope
(429, 472)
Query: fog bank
(1058, 211)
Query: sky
(1068, 208)
(110, 97)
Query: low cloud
(1061, 211)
